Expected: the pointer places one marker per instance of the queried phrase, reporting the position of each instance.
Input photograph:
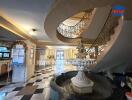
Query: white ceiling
(27, 14)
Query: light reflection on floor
(59, 67)
(2, 96)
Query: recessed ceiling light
(32, 32)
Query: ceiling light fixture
(32, 32)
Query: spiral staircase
(96, 27)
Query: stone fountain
(81, 83)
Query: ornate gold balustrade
(76, 30)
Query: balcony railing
(78, 28)
(106, 32)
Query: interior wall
(43, 54)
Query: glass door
(59, 66)
(18, 63)
(60, 55)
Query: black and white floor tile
(41, 79)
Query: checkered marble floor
(41, 80)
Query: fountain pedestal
(81, 84)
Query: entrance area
(59, 65)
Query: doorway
(59, 63)
(60, 55)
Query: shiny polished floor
(40, 81)
(37, 88)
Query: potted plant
(129, 94)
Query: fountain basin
(102, 88)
